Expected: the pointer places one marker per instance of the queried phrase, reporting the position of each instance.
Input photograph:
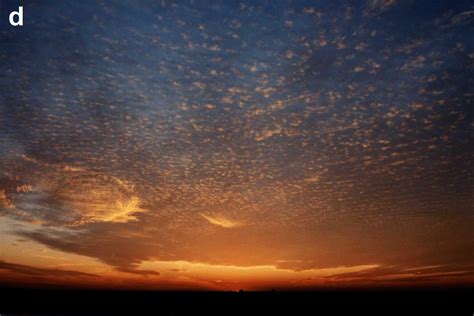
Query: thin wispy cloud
(221, 220)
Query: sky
(221, 145)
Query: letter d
(19, 14)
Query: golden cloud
(221, 220)
(5, 202)
(94, 197)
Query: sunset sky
(237, 145)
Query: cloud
(117, 210)
(5, 202)
(43, 272)
(71, 196)
(95, 197)
(221, 220)
(123, 253)
(375, 7)
(407, 274)
(232, 277)
(139, 272)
